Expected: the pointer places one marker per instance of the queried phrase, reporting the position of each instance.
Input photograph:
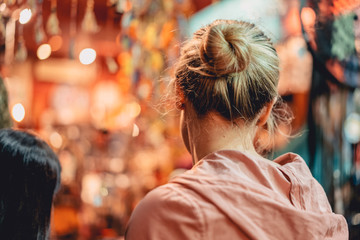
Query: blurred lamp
(18, 112)
(55, 42)
(44, 51)
(2, 7)
(25, 16)
(308, 16)
(56, 140)
(135, 131)
(352, 128)
(87, 56)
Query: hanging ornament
(120, 6)
(33, 5)
(21, 52)
(10, 30)
(343, 37)
(356, 100)
(2, 29)
(123, 6)
(89, 23)
(73, 13)
(52, 25)
(111, 65)
(10, 2)
(39, 29)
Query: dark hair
(29, 177)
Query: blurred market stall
(87, 76)
(90, 76)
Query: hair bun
(225, 50)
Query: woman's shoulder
(165, 212)
(294, 162)
(167, 196)
(306, 192)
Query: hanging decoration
(72, 33)
(356, 99)
(21, 51)
(10, 2)
(334, 116)
(89, 23)
(52, 25)
(33, 5)
(122, 6)
(111, 64)
(2, 28)
(104, 134)
(343, 42)
(295, 65)
(9, 41)
(150, 30)
(342, 6)
(40, 35)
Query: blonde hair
(230, 67)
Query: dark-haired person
(226, 88)
(29, 177)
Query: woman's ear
(265, 113)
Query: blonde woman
(226, 89)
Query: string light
(18, 112)
(25, 16)
(2, 7)
(44, 51)
(135, 131)
(133, 109)
(55, 42)
(87, 56)
(56, 140)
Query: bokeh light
(308, 16)
(18, 112)
(133, 109)
(25, 16)
(87, 56)
(56, 140)
(44, 51)
(135, 131)
(2, 7)
(352, 128)
(55, 42)
(122, 181)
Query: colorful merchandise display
(91, 78)
(334, 116)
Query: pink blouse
(234, 195)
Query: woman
(29, 177)
(226, 87)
